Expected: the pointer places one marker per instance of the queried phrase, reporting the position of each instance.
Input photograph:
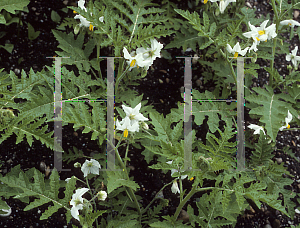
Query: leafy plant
(129, 28)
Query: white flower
(176, 170)
(101, 19)
(291, 23)
(254, 46)
(261, 33)
(143, 57)
(287, 121)
(236, 50)
(133, 60)
(153, 52)
(91, 166)
(271, 31)
(223, 4)
(133, 113)
(174, 187)
(256, 128)
(102, 195)
(83, 21)
(81, 4)
(126, 126)
(293, 57)
(77, 202)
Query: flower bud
(76, 29)
(289, 67)
(102, 195)
(217, 13)
(281, 42)
(254, 59)
(77, 165)
(145, 126)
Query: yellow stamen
(126, 133)
(290, 24)
(288, 126)
(236, 55)
(257, 39)
(74, 11)
(261, 32)
(191, 178)
(266, 40)
(132, 64)
(91, 28)
(205, 1)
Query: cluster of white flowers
(263, 33)
(257, 128)
(83, 21)
(131, 121)
(77, 202)
(143, 57)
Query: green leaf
(263, 151)
(206, 106)
(74, 49)
(2, 19)
(213, 29)
(31, 33)
(117, 179)
(55, 16)
(194, 19)
(44, 192)
(8, 47)
(205, 21)
(12, 5)
(272, 110)
(3, 205)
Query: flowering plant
(106, 189)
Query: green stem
(191, 193)
(146, 208)
(181, 189)
(232, 70)
(93, 199)
(183, 202)
(98, 55)
(135, 23)
(130, 189)
(120, 78)
(101, 80)
(126, 153)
